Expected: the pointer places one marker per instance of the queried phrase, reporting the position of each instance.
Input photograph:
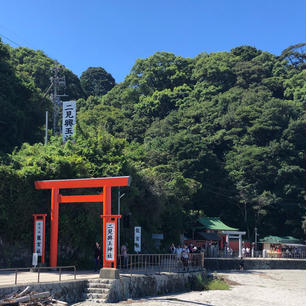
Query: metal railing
(157, 263)
(39, 270)
(254, 254)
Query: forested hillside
(221, 134)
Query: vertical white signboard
(69, 119)
(39, 237)
(110, 241)
(137, 239)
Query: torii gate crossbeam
(55, 185)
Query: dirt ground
(248, 288)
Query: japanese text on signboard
(69, 119)
(110, 241)
(39, 237)
(137, 239)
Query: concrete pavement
(8, 278)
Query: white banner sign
(137, 239)
(39, 237)
(69, 119)
(110, 241)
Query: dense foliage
(95, 81)
(222, 134)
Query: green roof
(280, 240)
(215, 224)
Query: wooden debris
(59, 302)
(26, 298)
(23, 292)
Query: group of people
(180, 249)
(285, 252)
(183, 252)
(246, 251)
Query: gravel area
(248, 288)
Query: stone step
(100, 280)
(95, 296)
(99, 301)
(92, 302)
(97, 290)
(89, 303)
(99, 285)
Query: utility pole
(46, 132)
(256, 237)
(118, 240)
(57, 82)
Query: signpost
(110, 241)
(137, 239)
(39, 235)
(110, 223)
(69, 119)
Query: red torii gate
(104, 182)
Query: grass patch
(216, 284)
(211, 283)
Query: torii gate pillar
(55, 185)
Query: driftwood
(59, 302)
(31, 297)
(24, 298)
(10, 304)
(23, 292)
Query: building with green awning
(214, 224)
(214, 230)
(274, 246)
(280, 240)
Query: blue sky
(113, 34)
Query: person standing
(178, 252)
(97, 257)
(172, 249)
(124, 255)
(185, 257)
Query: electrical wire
(10, 40)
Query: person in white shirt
(185, 256)
(247, 251)
(243, 251)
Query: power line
(10, 40)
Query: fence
(38, 270)
(255, 254)
(157, 263)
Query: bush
(216, 284)
(211, 283)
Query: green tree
(96, 81)
(21, 106)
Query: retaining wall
(121, 289)
(213, 264)
(68, 291)
(152, 285)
